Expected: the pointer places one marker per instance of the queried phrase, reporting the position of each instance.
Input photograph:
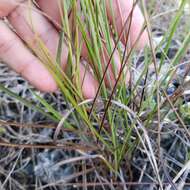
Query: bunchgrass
(118, 119)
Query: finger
(6, 6)
(51, 8)
(88, 84)
(111, 75)
(121, 11)
(28, 23)
(114, 66)
(19, 58)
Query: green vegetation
(117, 121)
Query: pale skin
(15, 53)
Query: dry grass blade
(148, 148)
(24, 125)
(177, 115)
(66, 146)
(79, 158)
(185, 168)
(13, 167)
(149, 29)
(126, 119)
(107, 184)
(65, 116)
(64, 182)
(166, 172)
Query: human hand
(18, 56)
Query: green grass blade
(27, 103)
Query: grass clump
(123, 120)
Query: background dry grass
(33, 168)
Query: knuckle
(8, 6)
(6, 45)
(24, 68)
